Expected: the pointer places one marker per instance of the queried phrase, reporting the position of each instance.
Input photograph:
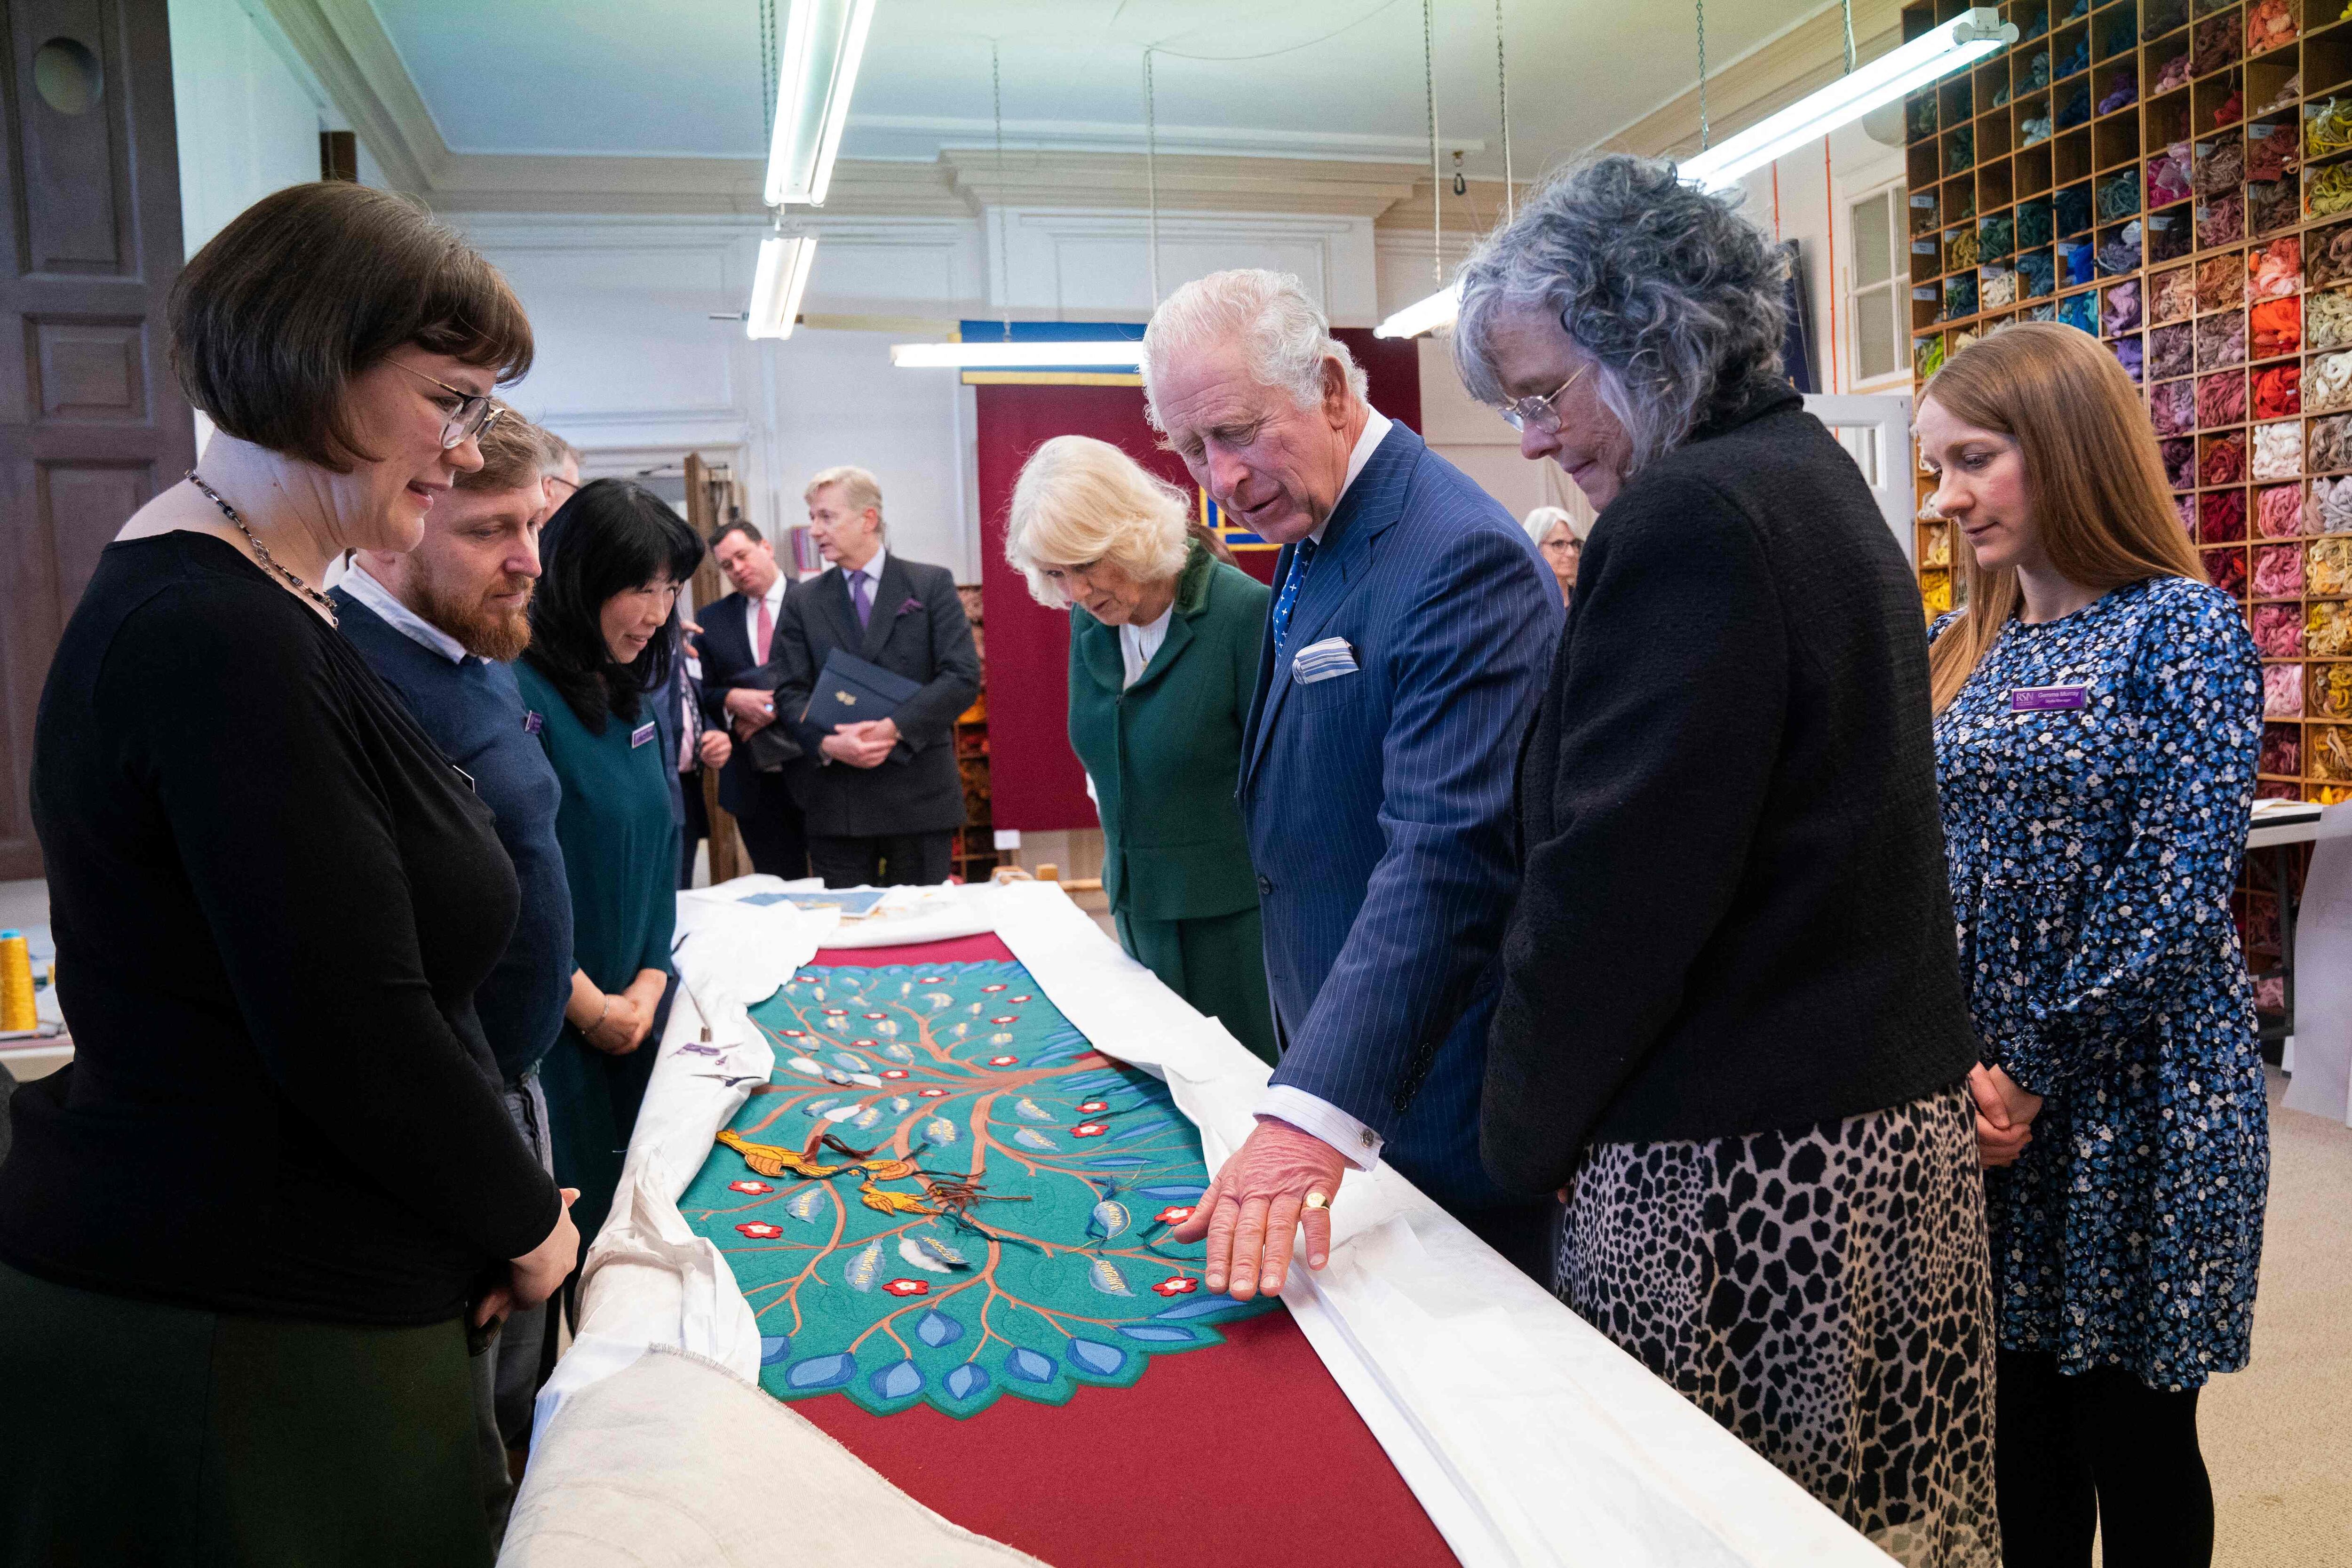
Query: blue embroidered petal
(936, 1329)
(1099, 1359)
(1132, 1133)
(1181, 1190)
(966, 1381)
(1159, 1333)
(1029, 1366)
(1109, 1162)
(821, 1371)
(900, 1380)
(774, 1348)
(1199, 1307)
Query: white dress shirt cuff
(1357, 1143)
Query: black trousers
(775, 832)
(2099, 1449)
(697, 827)
(893, 861)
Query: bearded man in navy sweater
(442, 625)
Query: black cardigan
(1734, 915)
(273, 900)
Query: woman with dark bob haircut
(1752, 1097)
(247, 1236)
(604, 635)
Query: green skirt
(1216, 962)
(157, 1436)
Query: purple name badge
(531, 723)
(644, 731)
(2041, 699)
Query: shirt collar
(872, 569)
(774, 597)
(360, 585)
(1376, 430)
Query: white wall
(1474, 439)
(249, 114)
(1810, 206)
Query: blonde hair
(2102, 506)
(1080, 500)
(511, 455)
(859, 491)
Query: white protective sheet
(1528, 1436)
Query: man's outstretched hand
(1254, 1208)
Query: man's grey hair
(1268, 315)
(1675, 296)
(554, 451)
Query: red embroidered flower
(1003, 1061)
(1181, 1285)
(928, 980)
(894, 1072)
(1093, 1107)
(907, 1288)
(1089, 1130)
(749, 1188)
(862, 1045)
(759, 1231)
(1008, 1018)
(1176, 1213)
(836, 1012)
(795, 1034)
(1020, 998)
(930, 1093)
(992, 990)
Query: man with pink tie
(738, 636)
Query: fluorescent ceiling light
(1967, 37)
(778, 285)
(1116, 353)
(1424, 315)
(823, 40)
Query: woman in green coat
(602, 635)
(1163, 657)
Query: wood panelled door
(91, 422)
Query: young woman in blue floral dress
(2098, 711)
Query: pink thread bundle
(2276, 271)
(2278, 572)
(2173, 407)
(2329, 509)
(2283, 691)
(2278, 511)
(2221, 399)
(2278, 634)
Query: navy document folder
(852, 691)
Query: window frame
(1894, 291)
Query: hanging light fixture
(823, 43)
(778, 284)
(1434, 311)
(1935, 54)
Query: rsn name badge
(2044, 698)
(641, 734)
(531, 723)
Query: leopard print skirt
(1825, 1294)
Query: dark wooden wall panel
(92, 423)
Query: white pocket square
(1322, 661)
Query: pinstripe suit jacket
(1378, 805)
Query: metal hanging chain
(1847, 5)
(1437, 176)
(1702, 75)
(1503, 99)
(293, 579)
(1151, 172)
(768, 64)
(1004, 256)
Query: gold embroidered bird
(873, 1198)
(775, 1160)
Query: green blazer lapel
(1192, 598)
(1179, 638)
(1098, 646)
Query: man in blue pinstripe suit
(1409, 640)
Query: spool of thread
(16, 983)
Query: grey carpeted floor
(2278, 1436)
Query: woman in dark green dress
(1163, 657)
(604, 634)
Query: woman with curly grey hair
(1751, 1095)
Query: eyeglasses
(1522, 412)
(474, 413)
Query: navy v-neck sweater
(475, 713)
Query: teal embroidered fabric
(945, 1195)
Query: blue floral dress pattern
(2092, 851)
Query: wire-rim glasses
(476, 411)
(1522, 412)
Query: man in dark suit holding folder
(882, 796)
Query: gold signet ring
(1317, 1201)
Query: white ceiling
(1302, 78)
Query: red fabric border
(1246, 1451)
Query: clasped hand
(751, 711)
(862, 745)
(537, 1273)
(1254, 1208)
(2005, 1115)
